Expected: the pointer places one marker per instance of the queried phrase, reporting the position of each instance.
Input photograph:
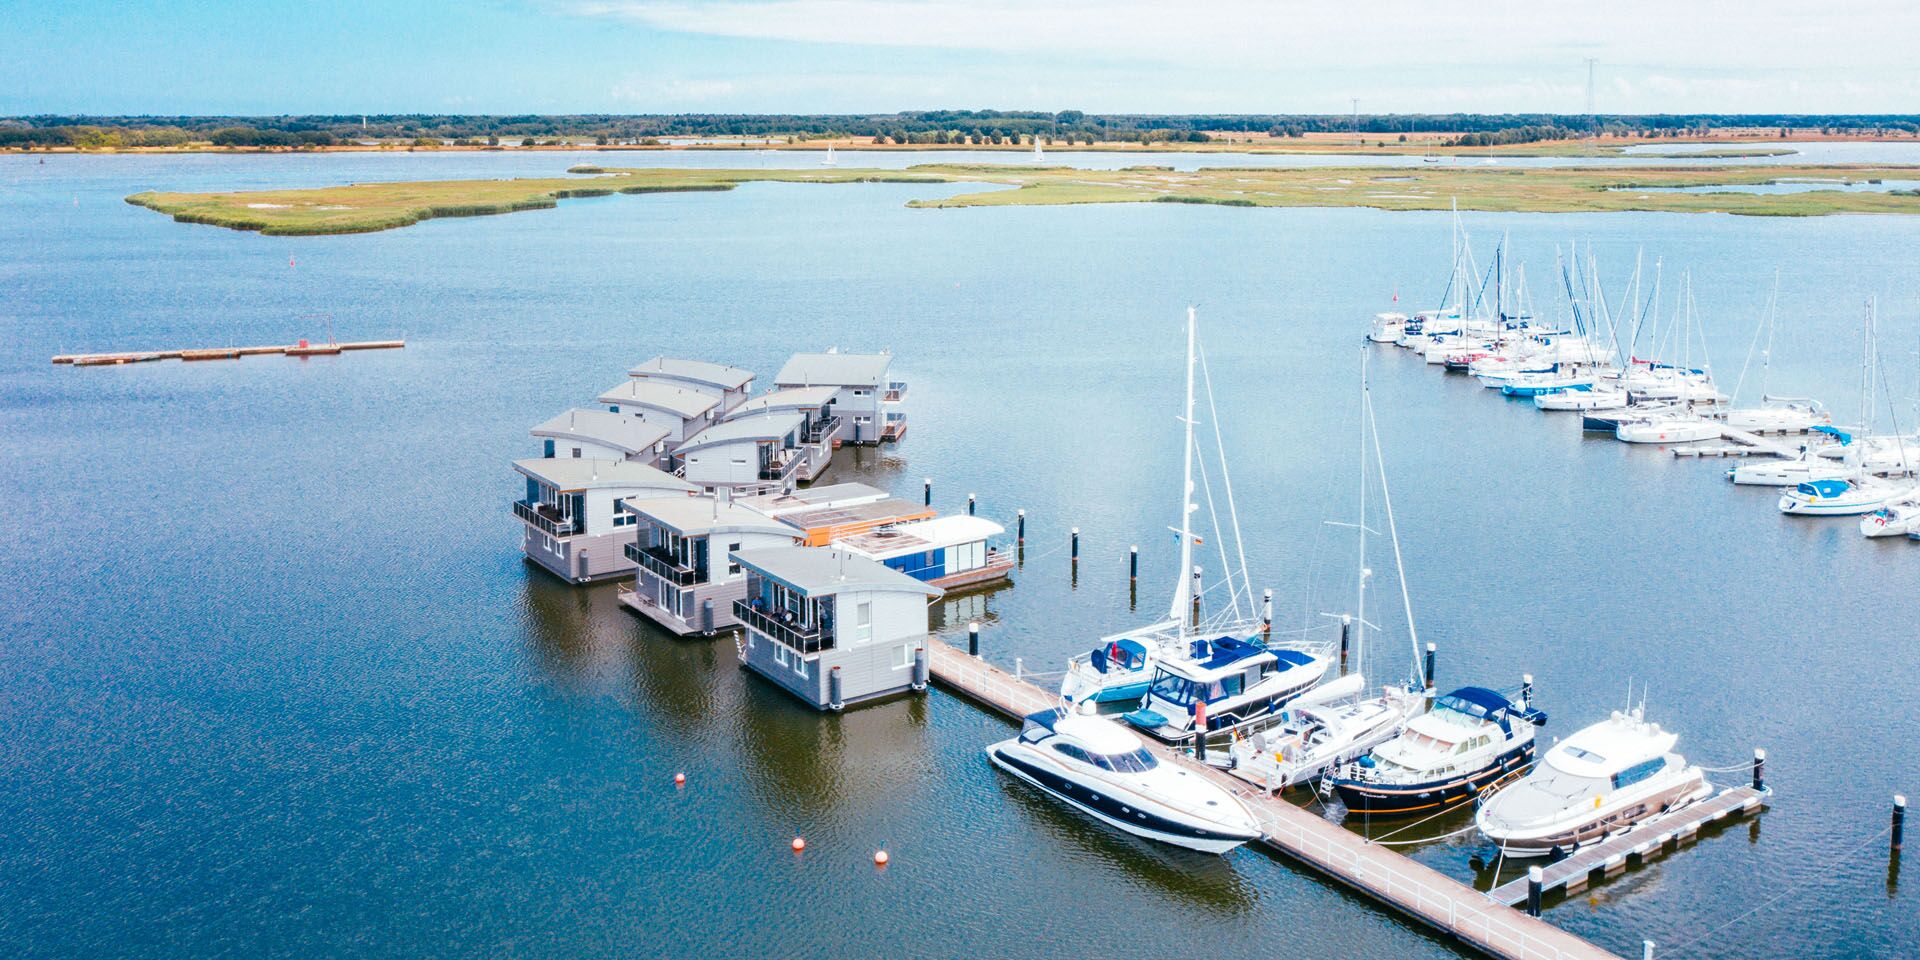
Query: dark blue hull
(1380, 800)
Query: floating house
(947, 552)
(832, 627)
(602, 435)
(760, 451)
(681, 411)
(865, 393)
(821, 428)
(730, 385)
(840, 520)
(575, 526)
(682, 546)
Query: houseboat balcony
(895, 426)
(545, 518)
(782, 467)
(821, 429)
(800, 637)
(896, 391)
(662, 566)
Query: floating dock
(1412, 889)
(302, 349)
(1610, 857)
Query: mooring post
(973, 639)
(1020, 529)
(1200, 743)
(969, 504)
(1759, 770)
(1526, 689)
(1899, 821)
(1535, 879)
(1266, 612)
(1133, 564)
(833, 690)
(1346, 630)
(1430, 653)
(1646, 950)
(1018, 668)
(1076, 547)
(926, 490)
(919, 668)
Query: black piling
(1535, 879)
(1346, 632)
(973, 639)
(1076, 548)
(1899, 822)
(969, 504)
(926, 491)
(1430, 654)
(1133, 564)
(1020, 529)
(1760, 770)
(1266, 612)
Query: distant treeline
(927, 126)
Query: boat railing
(662, 566)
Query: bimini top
(719, 376)
(573, 474)
(628, 434)
(654, 394)
(835, 369)
(792, 398)
(919, 536)
(823, 571)
(1475, 701)
(1823, 488)
(1209, 660)
(704, 516)
(766, 427)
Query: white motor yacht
(1841, 498)
(1788, 473)
(1779, 414)
(1683, 428)
(1222, 685)
(1473, 739)
(1101, 769)
(1594, 784)
(1387, 327)
(1600, 396)
(1313, 738)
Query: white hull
(1581, 400)
(1855, 501)
(1668, 431)
(1895, 520)
(1141, 814)
(1786, 473)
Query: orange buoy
(799, 844)
(880, 858)
(679, 779)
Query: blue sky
(822, 56)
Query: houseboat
(686, 581)
(838, 520)
(866, 395)
(574, 524)
(760, 452)
(787, 503)
(682, 411)
(730, 385)
(821, 428)
(832, 627)
(602, 435)
(948, 552)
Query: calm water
(275, 681)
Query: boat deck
(1610, 857)
(1416, 891)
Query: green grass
(361, 208)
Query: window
(1173, 689)
(903, 657)
(1135, 761)
(862, 391)
(576, 453)
(623, 518)
(800, 665)
(780, 655)
(1638, 772)
(733, 566)
(549, 448)
(862, 622)
(1072, 752)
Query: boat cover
(1127, 654)
(1824, 488)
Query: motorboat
(1116, 671)
(1841, 498)
(1900, 517)
(1312, 738)
(1788, 473)
(1471, 740)
(1598, 783)
(1597, 397)
(1098, 767)
(1778, 415)
(1223, 684)
(1542, 383)
(1671, 429)
(1387, 327)
(1609, 421)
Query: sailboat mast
(1182, 592)
(1360, 604)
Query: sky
(856, 56)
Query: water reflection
(807, 765)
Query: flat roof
(863, 512)
(697, 371)
(838, 369)
(767, 426)
(616, 430)
(679, 401)
(590, 473)
(791, 398)
(814, 498)
(706, 515)
(817, 571)
(920, 535)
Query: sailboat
(1039, 156)
(1860, 491)
(1336, 722)
(829, 161)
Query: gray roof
(616, 430)
(588, 473)
(698, 371)
(837, 369)
(679, 401)
(817, 571)
(769, 426)
(811, 498)
(792, 398)
(703, 515)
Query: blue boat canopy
(1126, 653)
(1840, 435)
(1291, 658)
(1225, 650)
(1824, 488)
(1480, 697)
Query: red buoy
(679, 779)
(799, 844)
(880, 858)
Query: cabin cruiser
(1592, 785)
(1223, 684)
(1116, 671)
(1387, 327)
(1472, 739)
(1788, 473)
(1896, 518)
(1101, 769)
(1779, 414)
(1684, 428)
(1313, 737)
(1841, 498)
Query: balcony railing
(781, 467)
(821, 429)
(662, 566)
(895, 426)
(545, 518)
(896, 391)
(802, 638)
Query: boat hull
(1138, 816)
(1596, 824)
(1375, 800)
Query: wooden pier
(1613, 856)
(301, 349)
(1415, 890)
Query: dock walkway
(1411, 888)
(1613, 856)
(222, 353)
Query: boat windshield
(1133, 761)
(1173, 688)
